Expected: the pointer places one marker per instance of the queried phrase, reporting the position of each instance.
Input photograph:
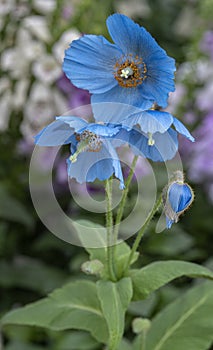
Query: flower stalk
(109, 227)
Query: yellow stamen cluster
(130, 72)
(88, 141)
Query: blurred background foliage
(33, 89)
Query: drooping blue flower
(92, 153)
(161, 148)
(150, 121)
(177, 198)
(134, 70)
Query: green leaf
(75, 306)
(17, 345)
(77, 341)
(157, 274)
(125, 345)
(115, 298)
(187, 323)
(11, 209)
(19, 274)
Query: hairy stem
(109, 226)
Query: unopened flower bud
(177, 197)
(93, 267)
(140, 324)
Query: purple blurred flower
(206, 44)
(201, 160)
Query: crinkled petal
(130, 37)
(128, 96)
(103, 130)
(182, 129)
(55, 134)
(152, 121)
(74, 122)
(165, 147)
(180, 196)
(158, 89)
(95, 165)
(89, 63)
(113, 112)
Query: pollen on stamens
(91, 141)
(130, 71)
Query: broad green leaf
(19, 274)
(75, 306)
(12, 210)
(77, 340)
(114, 299)
(157, 274)
(187, 323)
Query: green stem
(142, 230)
(124, 196)
(109, 226)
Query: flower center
(151, 141)
(130, 71)
(87, 142)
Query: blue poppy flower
(177, 198)
(134, 70)
(150, 121)
(92, 153)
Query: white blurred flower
(20, 93)
(64, 42)
(17, 59)
(133, 8)
(47, 69)
(37, 25)
(5, 108)
(204, 70)
(12, 60)
(43, 104)
(5, 84)
(22, 9)
(44, 6)
(6, 6)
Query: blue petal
(182, 129)
(128, 96)
(57, 133)
(89, 63)
(104, 130)
(153, 121)
(165, 147)
(74, 122)
(95, 165)
(130, 37)
(158, 89)
(169, 222)
(113, 112)
(180, 196)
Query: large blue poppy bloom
(177, 198)
(92, 153)
(134, 70)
